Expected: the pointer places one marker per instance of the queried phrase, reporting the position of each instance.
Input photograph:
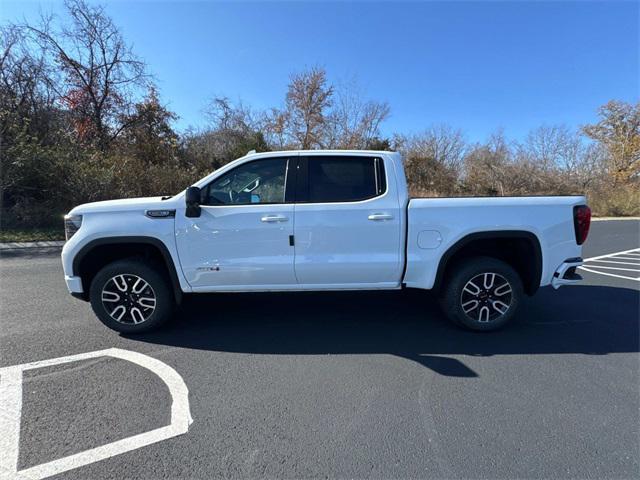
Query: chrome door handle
(380, 216)
(274, 218)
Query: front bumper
(566, 274)
(74, 284)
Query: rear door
(347, 223)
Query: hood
(123, 205)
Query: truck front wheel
(482, 293)
(131, 296)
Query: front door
(348, 221)
(242, 239)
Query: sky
(478, 66)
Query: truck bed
(436, 224)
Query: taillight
(581, 222)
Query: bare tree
(548, 147)
(233, 130)
(434, 159)
(26, 97)
(275, 127)
(619, 132)
(99, 71)
(586, 166)
(223, 114)
(29, 120)
(318, 114)
(354, 122)
(308, 99)
(486, 167)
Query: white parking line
(627, 257)
(618, 263)
(616, 268)
(633, 250)
(11, 412)
(10, 409)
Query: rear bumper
(566, 274)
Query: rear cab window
(337, 178)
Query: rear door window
(340, 179)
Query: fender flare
(155, 242)
(487, 235)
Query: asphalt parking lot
(337, 385)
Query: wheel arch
(102, 251)
(520, 248)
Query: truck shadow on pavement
(589, 320)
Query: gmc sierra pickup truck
(319, 220)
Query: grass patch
(36, 235)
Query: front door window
(257, 182)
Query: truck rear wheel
(482, 293)
(131, 296)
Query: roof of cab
(253, 154)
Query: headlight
(72, 224)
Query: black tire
(120, 279)
(459, 295)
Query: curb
(17, 246)
(610, 219)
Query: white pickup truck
(319, 220)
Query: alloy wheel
(128, 299)
(486, 297)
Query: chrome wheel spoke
(110, 296)
(472, 288)
(120, 283)
(501, 307)
(483, 314)
(136, 315)
(470, 305)
(118, 312)
(139, 286)
(502, 290)
(147, 302)
(489, 279)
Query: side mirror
(192, 199)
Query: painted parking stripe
(633, 250)
(11, 413)
(10, 410)
(618, 263)
(616, 268)
(626, 258)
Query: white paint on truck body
(550, 219)
(378, 243)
